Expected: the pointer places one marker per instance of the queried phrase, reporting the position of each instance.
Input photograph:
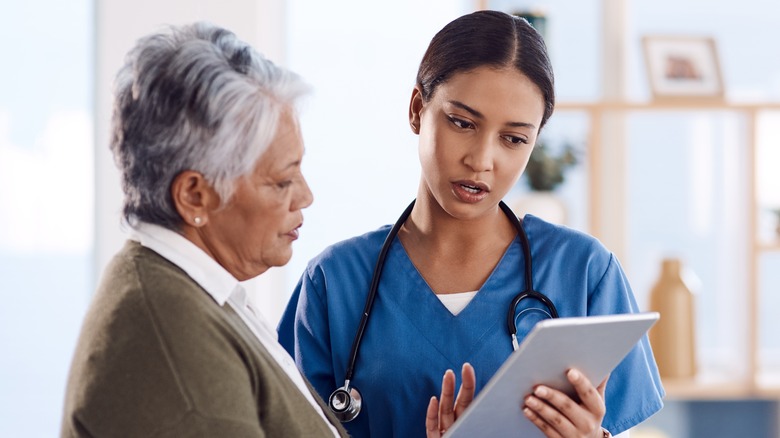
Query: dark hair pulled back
(487, 38)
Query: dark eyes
(463, 124)
(514, 140)
(284, 184)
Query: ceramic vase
(673, 337)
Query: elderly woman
(206, 137)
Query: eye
(460, 123)
(281, 185)
(515, 140)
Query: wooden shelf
(718, 389)
(768, 246)
(605, 198)
(698, 389)
(711, 385)
(669, 105)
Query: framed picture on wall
(682, 67)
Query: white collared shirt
(223, 288)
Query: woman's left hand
(557, 415)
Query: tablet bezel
(594, 345)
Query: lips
(470, 191)
(293, 234)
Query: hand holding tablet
(593, 345)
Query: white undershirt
(223, 288)
(457, 301)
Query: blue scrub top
(411, 339)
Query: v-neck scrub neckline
(411, 338)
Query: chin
(280, 259)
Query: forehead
(500, 92)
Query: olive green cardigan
(158, 357)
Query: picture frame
(682, 67)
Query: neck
(430, 225)
(220, 253)
(455, 251)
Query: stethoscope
(345, 402)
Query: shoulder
(146, 324)
(147, 310)
(557, 248)
(548, 237)
(343, 267)
(353, 253)
(370, 242)
(152, 333)
(145, 268)
(144, 302)
(165, 306)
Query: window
(46, 205)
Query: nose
(305, 196)
(479, 156)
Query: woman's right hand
(442, 414)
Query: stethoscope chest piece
(345, 403)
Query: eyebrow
(479, 115)
(295, 163)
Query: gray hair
(193, 97)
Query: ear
(415, 108)
(193, 197)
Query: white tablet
(595, 345)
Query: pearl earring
(197, 220)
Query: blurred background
(658, 163)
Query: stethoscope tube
(345, 402)
(529, 291)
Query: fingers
(602, 388)
(551, 411)
(543, 425)
(446, 412)
(442, 413)
(466, 391)
(432, 419)
(554, 412)
(592, 398)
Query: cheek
(522, 160)
(273, 217)
(426, 149)
(516, 165)
(268, 221)
(438, 144)
(259, 219)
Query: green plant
(545, 171)
(776, 212)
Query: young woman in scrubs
(484, 90)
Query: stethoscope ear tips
(345, 403)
